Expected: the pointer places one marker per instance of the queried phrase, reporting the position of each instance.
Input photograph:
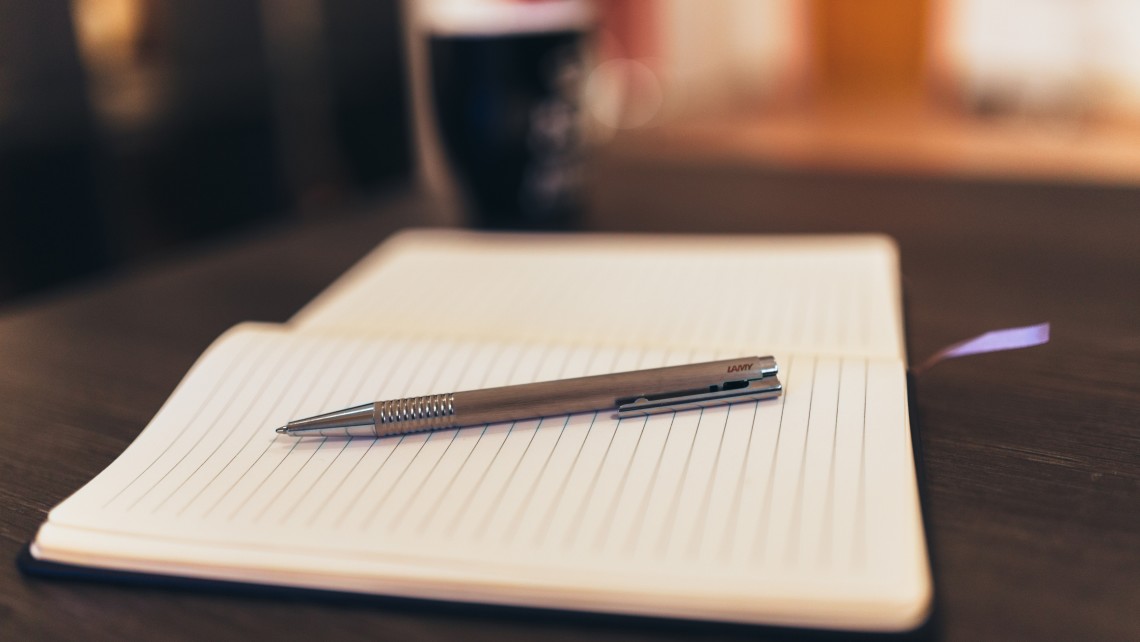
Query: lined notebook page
(800, 510)
(809, 295)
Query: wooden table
(1031, 458)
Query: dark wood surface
(1031, 458)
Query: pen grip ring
(414, 414)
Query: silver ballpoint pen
(629, 394)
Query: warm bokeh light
(108, 30)
(983, 88)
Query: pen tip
(283, 430)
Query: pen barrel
(414, 414)
(529, 400)
(630, 393)
(599, 392)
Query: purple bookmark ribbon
(993, 341)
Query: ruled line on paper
(730, 529)
(791, 553)
(552, 508)
(378, 394)
(671, 511)
(544, 525)
(504, 438)
(200, 434)
(765, 524)
(368, 363)
(635, 528)
(667, 490)
(824, 555)
(282, 486)
(399, 455)
(233, 363)
(454, 432)
(465, 522)
(292, 447)
(284, 388)
(296, 373)
(482, 430)
(420, 439)
(487, 437)
(496, 504)
(703, 511)
(301, 356)
(257, 431)
(559, 304)
(859, 536)
(398, 516)
(437, 505)
(386, 442)
(611, 512)
(571, 534)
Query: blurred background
(133, 128)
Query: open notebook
(798, 511)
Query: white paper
(812, 490)
(808, 295)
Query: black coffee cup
(506, 101)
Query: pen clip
(766, 386)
